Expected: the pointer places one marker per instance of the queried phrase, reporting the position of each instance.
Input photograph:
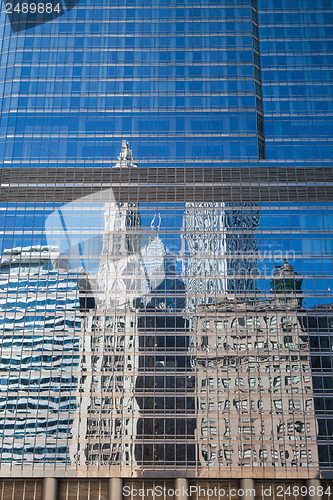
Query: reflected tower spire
(125, 157)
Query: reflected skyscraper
(222, 249)
(134, 345)
(40, 325)
(254, 382)
(179, 156)
(110, 340)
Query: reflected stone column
(181, 484)
(313, 483)
(50, 486)
(115, 488)
(247, 486)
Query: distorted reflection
(162, 335)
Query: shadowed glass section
(29, 14)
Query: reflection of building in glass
(254, 386)
(110, 341)
(221, 252)
(134, 348)
(228, 109)
(40, 323)
(108, 425)
(222, 249)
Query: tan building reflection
(254, 386)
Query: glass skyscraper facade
(166, 265)
(39, 313)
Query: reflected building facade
(110, 341)
(40, 332)
(159, 308)
(222, 248)
(134, 347)
(254, 386)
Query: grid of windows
(193, 337)
(170, 310)
(183, 81)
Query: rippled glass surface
(168, 312)
(142, 336)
